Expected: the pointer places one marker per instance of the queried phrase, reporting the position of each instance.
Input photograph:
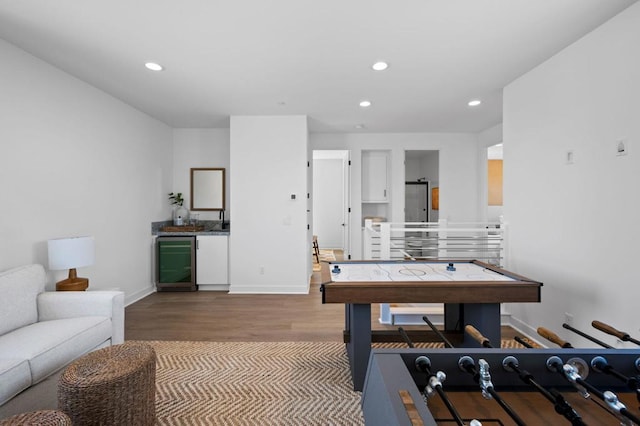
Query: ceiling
(311, 57)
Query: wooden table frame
(466, 302)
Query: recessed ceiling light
(474, 102)
(359, 126)
(380, 66)
(365, 104)
(153, 66)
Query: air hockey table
(472, 292)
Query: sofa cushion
(19, 288)
(14, 377)
(50, 345)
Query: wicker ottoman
(39, 418)
(111, 386)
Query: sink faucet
(221, 216)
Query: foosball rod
(523, 342)
(586, 336)
(607, 396)
(571, 374)
(405, 337)
(600, 365)
(562, 407)
(467, 364)
(442, 337)
(434, 382)
(488, 386)
(554, 364)
(610, 330)
(553, 338)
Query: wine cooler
(176, 264)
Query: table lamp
(71, 253)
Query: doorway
(421, 183)
(494, 182)
(331, 199)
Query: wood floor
(219, 316)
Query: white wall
(270, 249)
(422, 165)
(458, 172)
(76, 161)
(200, 148)
(413, 168)
(575, 227)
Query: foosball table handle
(553, 338)
(609, 330)
(477, 336)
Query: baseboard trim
(140, 294)
(213, 287)
(234, 289)
(526, 330)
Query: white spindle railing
(427, 241)
(483, 241)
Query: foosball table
(490, 386)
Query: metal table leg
(358, 324)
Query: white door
(330, 200)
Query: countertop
(212, 227)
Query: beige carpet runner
(255, 383)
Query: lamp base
(73, 283)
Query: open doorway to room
(494, 183)
(421, 194)
(331, 200)
(421, 186)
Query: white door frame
(345, 156)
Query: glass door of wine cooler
(175, 264)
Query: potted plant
(180, 213)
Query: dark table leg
(358, 324)
(485, 317)
(453, 317)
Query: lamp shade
(69, 253)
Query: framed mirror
(207, 189)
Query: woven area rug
(257, 383)
(274, 383)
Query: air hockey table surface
(414, 271)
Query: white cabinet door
(212, 259)
(374, 176)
